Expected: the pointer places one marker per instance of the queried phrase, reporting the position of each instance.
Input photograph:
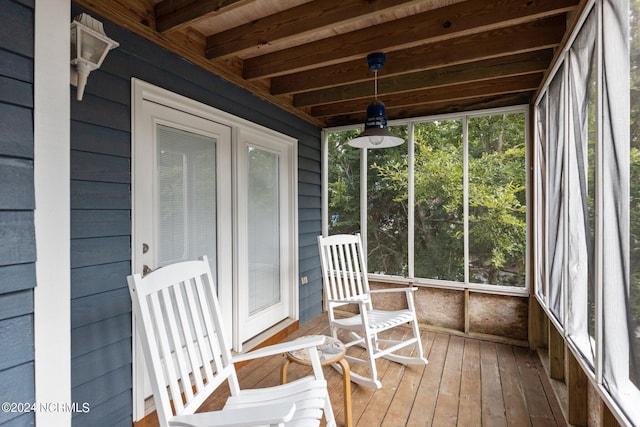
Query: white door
(181, 201)
(265, 236)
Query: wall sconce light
(89, 47)
(375, 133)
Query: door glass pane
(439, 231)
(497, 200)
(186, 194)
(263, 198)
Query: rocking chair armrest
(350, 301)
(306, 342)
(389, 290)
(264, 414)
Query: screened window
(439, 207)
(588, 194)
(448, 207)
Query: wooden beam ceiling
(308, 56)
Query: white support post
(52, 324)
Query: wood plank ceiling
(309, 56)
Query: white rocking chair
(345, 282)
(178, 317)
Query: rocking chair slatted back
(193, 358)
(343, 277)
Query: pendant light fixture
(375, 133)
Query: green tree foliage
(344, 184)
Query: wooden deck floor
(467, 382)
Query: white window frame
(483, 288)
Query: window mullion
(465, 196)
(410, 202)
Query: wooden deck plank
(379, 402)
(446, 413)
(513, 395)
(427, 394)
(403, 400)
(470, 409)
(493, 412)
(531, 373)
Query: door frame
(142, 91)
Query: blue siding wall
(17, 233)
(101, 216)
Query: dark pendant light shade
(375, 133)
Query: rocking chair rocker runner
(345, 282)
(178, 317)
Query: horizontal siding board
(17, 386)
(17, 277)
(16, 131)
(99, 167)
(16, 92)
(21, 420)
(16, 304)
(309, 189)
(16, 184)
(94, 308)
(16, 66)
(98, 139)
(101, 112)
(109, 86)
(309, 177)
(112, 413)
(308, 152)
(17, 237)
(100, 250)
(309, 215)
(103, 388)
(100, 223)
(16, 31)
(108, 358)
(97, 335)
(309, 202)
(100, 195)
(307, 265)
(309, 165)
(309, 239)
(308, 252)
(16, 336)
(95, 279)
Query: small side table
(332, 351)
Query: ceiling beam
(513, 65)
(459, 19)
(540, 34)
(446, 107)
(295, 22)
(173, 15)
(485, 88)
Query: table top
(331, 351)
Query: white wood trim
(52, 322)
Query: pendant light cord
(375, 79)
